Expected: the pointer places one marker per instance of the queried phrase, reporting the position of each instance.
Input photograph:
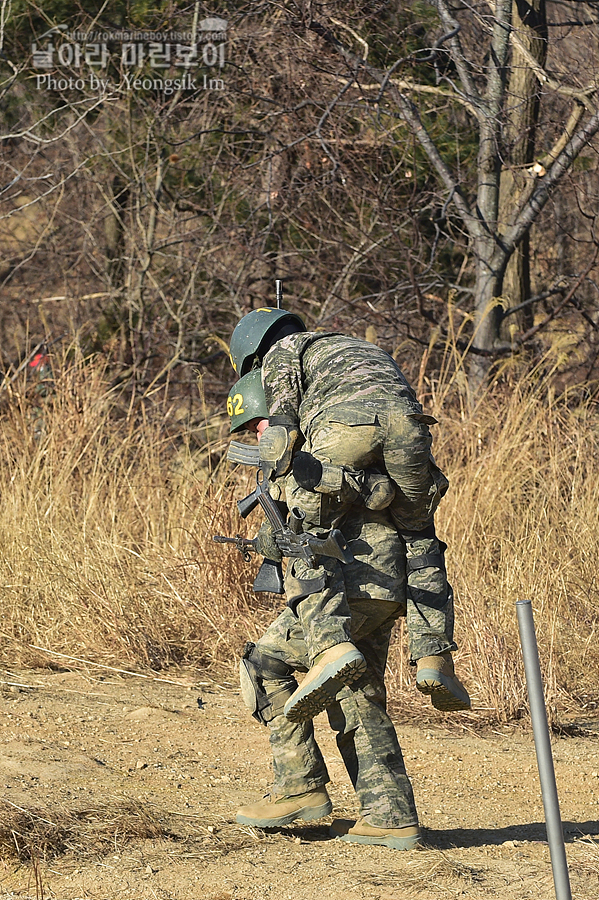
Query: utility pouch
(297, 589)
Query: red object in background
(39, 359)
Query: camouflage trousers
(392, 440)
(429, 604)
(366, 737)
(425, 598)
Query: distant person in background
(40, 370)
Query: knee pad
(255, 667)
(276, 449)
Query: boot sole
(445, 694)
(393, 843)
(307, 814)
(321, 692)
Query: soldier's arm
(282, 381)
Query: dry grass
(36, 833)
(108, 513)
(433, 871)
(583, 864)
(522, 522)
(106, 528)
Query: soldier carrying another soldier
(345, 444)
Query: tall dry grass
(522, 522)
(108, 512)
(106, 526)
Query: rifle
(244, 545)
(290, 539)
(270, 574)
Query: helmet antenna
(279, 292)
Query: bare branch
(354, 34)
(29, 136)
(569, 296)
(406, 85)
(458, 56)
(412, 117)
(583, 95)
(544, 295)
(533, 205)
(568, 133)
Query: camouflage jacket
(304, 374)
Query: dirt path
(135, 784)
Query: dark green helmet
(257, 332)
(246, 401)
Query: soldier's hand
(266, 545)
(276, 450)
(289, 544)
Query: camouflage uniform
(355, 408)
(373, 589)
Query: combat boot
(332, 670)
(361, 832)
(274, 812)
(435, 676)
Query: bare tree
(489, 58)
(389, 161)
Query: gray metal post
(540, 728)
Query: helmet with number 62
(257, 332)
(246, 401)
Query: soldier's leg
(421, 486)
(408, 460)
(430, 616)
(429, 621)
(316, 594)
(297, 761)
(400, 444)
(317, 597)
(366, 737)
(299, 770)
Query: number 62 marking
(235, 405)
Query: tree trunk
(490, 259)
(490, 268)
(530, 28)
